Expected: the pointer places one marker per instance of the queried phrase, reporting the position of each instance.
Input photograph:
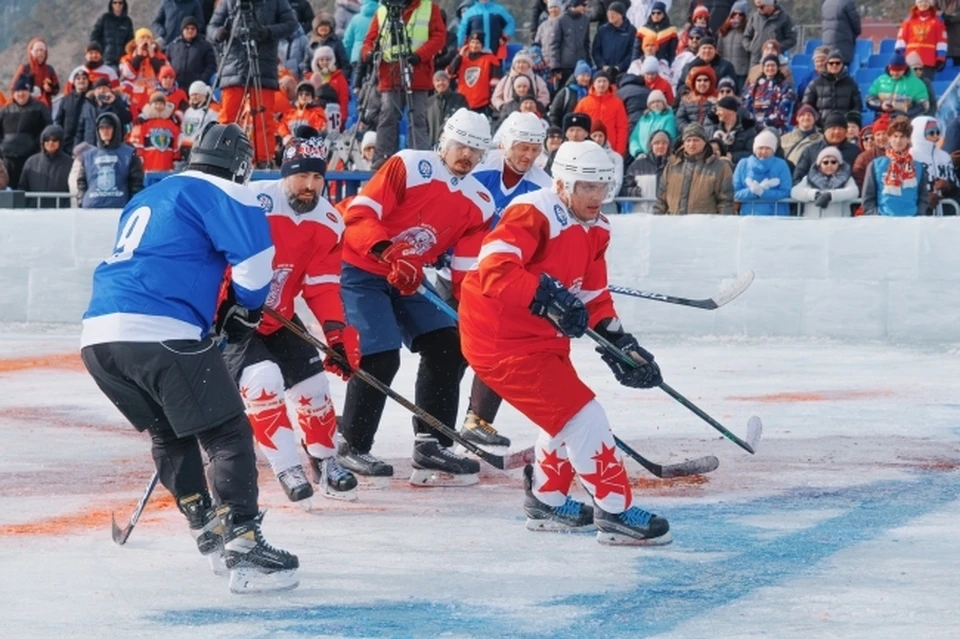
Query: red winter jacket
(609, 109)
(423, 71)
(925, 33)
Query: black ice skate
(632, 527)
(206, 529)
(572, 516)
(295, 483)
(335, 481)
(370, 472)
(254, 565)
(482, 433)
(434, 465)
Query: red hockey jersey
(537, 234)
(413, 197)
(307, 259)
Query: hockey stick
(710, 303)
(497, 461)
(754, 425)
(120, 536)
(689, 467)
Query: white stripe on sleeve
(363, 200)
(588, 296)
(499, 246)
(311, 280)
(256, 271)
(463, 263)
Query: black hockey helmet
(223, 150)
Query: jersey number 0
(131, 235)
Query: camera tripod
(399, 52)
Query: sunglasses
(724, 91)
(702, 80)
(935, 132)
(656, 13)
(829, 162)
(835, 63)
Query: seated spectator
(71, 108)
(879, 149)
(685, 57)
(22, 121)
(598, 133)
(866, 138)
(168, 20)
(478, 71)
(895, 184)
(735, 128)
(854, 120)
(323, 36)
(730, 41)
(916, 65)
(658, 25)
(110, 173)
(707, 56)
(48, 170)
(200, 111)
(576, 128)
(771, 98)
(938, 169)
(441, 105)
(140, 69)
(41, 76)
(898, 90)
(112, 31)
(603, 105)
(305, 112)
(770, 47)
(763, 176)
(727, 87)
(368, 145)
(695, 180)
(104, 100)
(650, 72)
(820, 55)
(521, 90)
(550, 145)
(548, 31)
(924, 32)
(176, 95)
(648, 50)
(96, 68)
(645, 172)
(828, 189)
(193, 57)
(325, 72)
(529, 105)
(834, 90)
(834, 134)
(522, 65)
(700, 99)
(658, 117)
(491, 19)
(156, 134)
(699, 19)
(615, 43)
(804, 135)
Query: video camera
(395, 8)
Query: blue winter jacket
(911, 202)
(615, 46)
(357, 30)
(759, 170)
(489, 17)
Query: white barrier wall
(865, 278)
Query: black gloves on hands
(564, 309)
(236, 323)
(221, 34)
(263, 35)
(645, 374)
(413, 59)
(823, 199)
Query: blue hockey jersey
(174, 243)
(490, 174)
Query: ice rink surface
(843, 525)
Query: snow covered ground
(844, 524)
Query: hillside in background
(66, 24)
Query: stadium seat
(864, 48)
(940, 87)
(867, 75)
(949, 62)
(811, 45)
(799, 74)
(801, 60)
(878, 60)
(864, 88)
(855, 64)
(869, 117)
(512, 49)
(887, 46)
(947, 74)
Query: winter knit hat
(23, 83)
(601, 74)
(771, 58)
(369, 139)
(650, 65)
(659, 6)
(835, 55)
(881, 124)
(835, 119)
(829, 152)
(806, 108)
(101, 82)
(555, 3)
(599, 126)
(307, 87)
(694, 130)
(305, 156)
(581, 120)
(697, 32)
(766, 138)
(188, 21)
(649, 40)
(94, 46)
(897, 61)
(167, 72)
(767, 3)
(199, 86)
(739, 7)
(522, 56)
(143, 32)
(617, 7)
(708, 41)
(701, 12)
(655, 96)
(521, 79)
(728, 102)
(727, 82)
(554, 131)
(856, 117)
(582, 67)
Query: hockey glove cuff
(646, 373)
(235, 323)
(564, 309)
(406, 267)
(345, 341)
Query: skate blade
(250, 581)
(372, 482)
(306, 504)
(493, 450)
(549, 525)
(619, 539)
(216, 564)
(342, 495)
(438, 479)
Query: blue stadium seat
(949, 62)
(856, 63)
(878, 60)
(869, 117)
(940, 87)
(948, 74)
(887, 45)
(799, 74)
(512, 49)
(801, 60)
(864, 88)
(867, 75)
(811, 45)
(864, 48)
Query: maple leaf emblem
(610, 476)
(559, 473)
(267, 422)
(318, 424)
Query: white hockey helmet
(583, 162)
(522, 127)
(468, 128)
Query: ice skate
(369, 471)
(434, 465)
(632, 527)
(206, 529)
(295, 484)
(255, 566)
(572, 516)
(335, 481)
(482, 433)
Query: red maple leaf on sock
(559, 473)
(610, 476)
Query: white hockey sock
(316, 416)
(261, 386)
(552, 472)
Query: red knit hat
(599, 126)
(881, 124)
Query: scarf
(901, 172)
(833, 182)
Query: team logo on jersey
(160, 138)
(266, 202)
(454, 181)
(333, 218)
(561, 215)
(483, 196)
(421, 238)
(425, 169)
(279, 278)
(471, 75)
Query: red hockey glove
(345, 341)
(406, 267)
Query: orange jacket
(609, 109)
(312, 115)
(156, 138)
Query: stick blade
(754, 431)
(698, 466)
(119, 535)
(519, 459)
(737, 289)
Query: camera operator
(427, 35)
(263, 23)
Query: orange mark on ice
(674, 486)
(65, 361)
(811, 396)
(86, 519)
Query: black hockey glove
(564, 310)
(235, 323)
(646, 373)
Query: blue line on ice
(684, 590)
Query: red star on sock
(610, 476)
(267, 422)
(318, 424)
(559, 473)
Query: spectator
(572, 43)
(156, 133)
(685, 57)
(650, 70)
(820, 55)
(356, 30)
(854, 121)
(548, 31)
(707, 57)
(700, 99)
(603, 105)
(735, 128)
(938, 169)
(478, 71)
(292, 55)
(441, 105)
(834, 134)
(644, 173)
(425, 45)
(112, 31)
(304, 112)
(925, 33)
(22, 121)
(764, 177)
(615, 44)
(658, 117)
(695, 180)
(916, 65)
(324, 36)
(658, 25)
(639, 10)
(492, 20)
(566, 100)
(717, 11)
(343, 12)
(43, 79)
(950, 14)
(898, 90)
(301, 10)
(71, 108)
(828, 189)
(769, 22)
(804, 135)
(834, 91)
(576, 127)
(520, 91)
(110, 173)
(866, 138)
(771, 47)
(95, 67)
(895, 184)
(201, 111)
(634, 94)
(168, 20)
(48, 170)
(699, 19)
(353, 156)
(771, 98)
(879, 148)
(190, 55)
(140, 69)
(174, 93)
(522, 65)
(730, 41)
(105, 100)
(841, 26)
(539, 10)
(648, 47)
(727, 87)
(598, 133)
(325, 72)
